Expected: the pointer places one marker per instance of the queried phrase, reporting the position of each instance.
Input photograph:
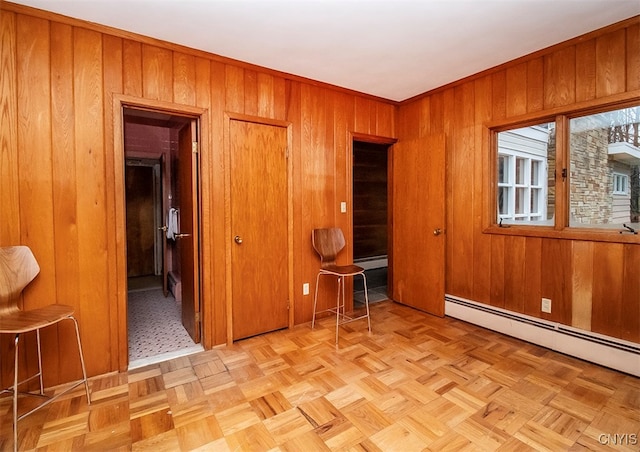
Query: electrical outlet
(305, 289)
(343, 207)
(546, 305)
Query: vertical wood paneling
(460, 224)
(385, 115)
(266, 96)
(34, 153)
(113, 55)
(497, 270)
(9, 199)
(337, 133)
(157, 73)
(516, 90)
(437, 113)
(363, 116)
(422, 116)
(92, 206)
(610, 74)
(582, 284)
(64, 171)
(556, 259)
(35, 173)
(499, 95)
(184, 79)
(132, 68)
(234, 84)
(608, 297)
(560, 78)
(409, 118)
(281, 97)
(250, 92)
(535, 85)
(481, 243)
(631, 295)
(533, 276)
(633, 57)
(586, 70)
(9, 188)
(216, 174)
(515, 271)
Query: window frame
(560, 228)
(620, 177)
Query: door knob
(163, 228)
(238, 239)
(179, 236)
(437, 231)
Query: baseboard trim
(607, 351)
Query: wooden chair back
(18, 267)
(328, 242)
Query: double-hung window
(523, 159)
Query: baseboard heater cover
(610, 352)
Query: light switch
(305, 289)
(343, 207)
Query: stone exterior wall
(591, 175)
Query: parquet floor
(416, 383)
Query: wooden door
(259, 228)
(418, 223)
(187, 240)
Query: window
(603, 152)
(523, 159)
(620, 183)
(598, 184)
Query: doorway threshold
(136, 364)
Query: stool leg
(84, 370)
(315, 301)
(338, 309)
(366, 300)
(15, 394)
(39, 361)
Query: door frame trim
(228, 117)
(120, 102)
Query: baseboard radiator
(604, 350)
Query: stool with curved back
(18, 267)
(328, 242)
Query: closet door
(418, 223)
(259, 228)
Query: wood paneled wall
(593, 285)
(58, 172)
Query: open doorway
(370, 218)
(161, 236)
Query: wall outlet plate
(546, 305)
(305, 289)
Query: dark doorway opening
(370, 218)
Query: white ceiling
(394, 49)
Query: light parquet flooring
(416, 382)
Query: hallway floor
(155, 328)
(417, 382)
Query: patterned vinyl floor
(155, 325)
